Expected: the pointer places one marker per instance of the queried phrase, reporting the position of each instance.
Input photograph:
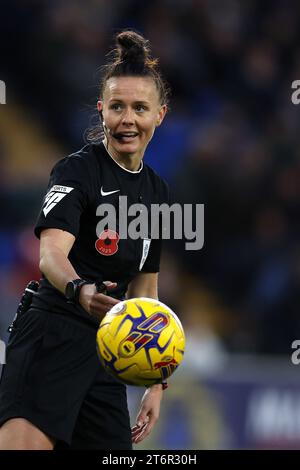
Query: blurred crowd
(231, 141)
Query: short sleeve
(66, 196)
(152, 262)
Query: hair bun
(132, 48)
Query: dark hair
(131, 57)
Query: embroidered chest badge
(107, 243)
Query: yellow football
(140, 341)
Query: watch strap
(77, 284)
(78, 289)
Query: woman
(53, 391)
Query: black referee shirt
(78, 184)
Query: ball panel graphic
(140, 341)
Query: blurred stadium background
(231, 141)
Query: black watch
(73, 288)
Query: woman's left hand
(148, 414)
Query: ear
(99, 105)
(161, 115)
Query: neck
(131, 162)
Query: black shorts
(53, 378)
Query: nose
(128, 117)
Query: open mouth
(126, 137)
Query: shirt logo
(55, 195)
(107, 193)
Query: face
(131, 112)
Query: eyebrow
(135, 102)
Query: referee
(53, 392)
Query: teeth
(128, 134)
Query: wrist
(164, 385)
(73, 288)
(160, 386)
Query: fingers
(110, 285)
(96, 303)
(103, 287)
(99, 308)
(102, 302)
(103, 298)
(136, 433)
(139, 433)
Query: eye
(116, 107)
(140, 107)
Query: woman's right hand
(97, 305)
